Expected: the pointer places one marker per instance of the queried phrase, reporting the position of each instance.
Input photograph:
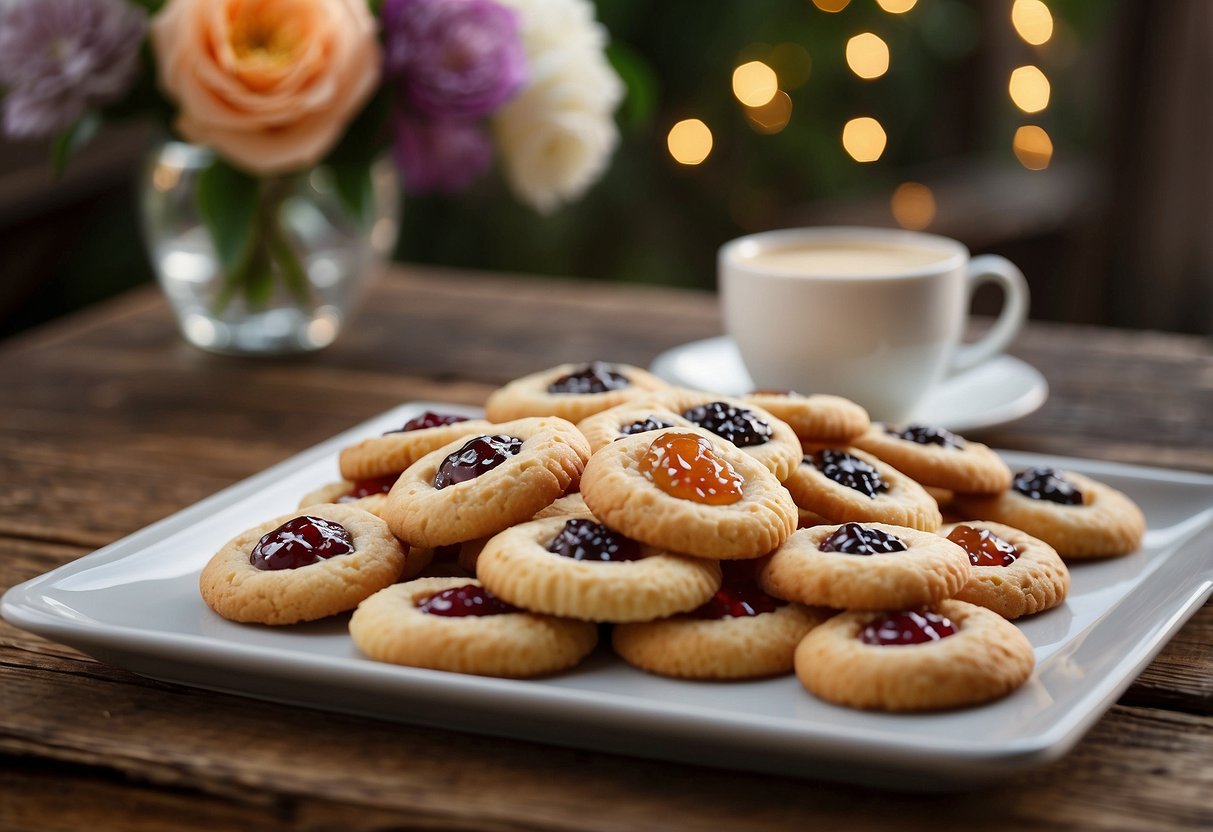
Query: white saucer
(998, 391)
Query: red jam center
(479, 454)
(369, 487)
(587, 540)
(430, 419)
(907, 628)
(464, 601)
(739, 595)
(683, 465)
(301, 542)
(854, 539)
(984, 547)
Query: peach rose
(269, 84)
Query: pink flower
(268, 84)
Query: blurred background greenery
(1071, 136)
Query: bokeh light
(1029, 89)
(864, 139)
(868, 55)
(754, 83)
(1032, 21)
(689, 141)
(773, 116)
(831, 6)
(1033, 147)
(896, 6)
(913, 205)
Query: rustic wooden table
(108, 421)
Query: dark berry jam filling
(429, 419)
(644, 426)
(479, 454)
(1047, 484)
(851, 471)
(736, 424)
(927, 435)
(984, 547)
(596, 377)
(739, 594)
(907, 628)
(301, 542)
(464, 601)
(587, 540)
(369, 487)
(854, 539)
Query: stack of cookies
(710, 537)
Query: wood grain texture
(111, 422)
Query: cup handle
(990, 268)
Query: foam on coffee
(837, 259)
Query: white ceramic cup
(875, 315)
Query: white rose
(557, 135)
(547, 25)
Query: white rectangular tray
(135, 604)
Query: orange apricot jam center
(984, 547)
(683, 465)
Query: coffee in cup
(875, 315)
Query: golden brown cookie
(628, 419)
(570, 391)
(937, 457)
(749, 427)
(820, 418)
(578, 568)
(343, 491)
(1014, 574)
(416, 624)
(688, 491)
(386, 456)
(890, 662)
(843, 484)
(477, 486)
(749, 647)
(740, 633)
(324, 562)
(570, 505)
(873, 566)
(1076, 515)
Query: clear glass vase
(331, 256)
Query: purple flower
(453, 58)
(440, 155)
(59, 58)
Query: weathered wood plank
(237, 749)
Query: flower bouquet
(275, 97)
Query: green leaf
(259, 279)
(356, 191)
(367, 136)
(69, 142)
(228, 202)
(283, 253)
(637, 75)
